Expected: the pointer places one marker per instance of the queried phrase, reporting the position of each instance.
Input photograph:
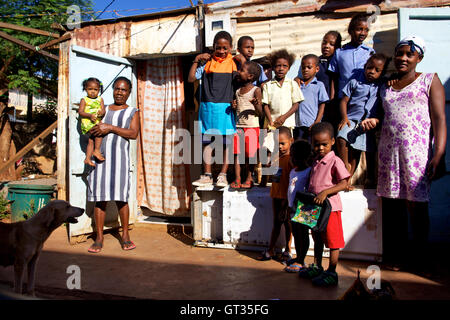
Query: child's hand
(100, 113)
(279, 121)
(93, 117)
(299, 81)
(320, 198)
(240, 59)
(343, 123)
(234, 104)
(369, 124)
(203, 57)
(256, 102)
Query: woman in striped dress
(110, 180)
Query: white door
(85, 63)
(433, 25)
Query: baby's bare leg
(89, 151)
(97, 145)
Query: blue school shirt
(364, 100)
(347, 61)
(323, 75)
(314, 94)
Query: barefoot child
(328, 177)
(92, 109)
(298, 182)
(310, 110)
(360, 102)
(248, 107)
(278, 193)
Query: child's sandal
(236, 184)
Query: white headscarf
(414, 42)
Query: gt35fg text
(229, 309)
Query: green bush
(4, 206)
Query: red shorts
(334, 236)
(251, 136)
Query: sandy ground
(165, 265)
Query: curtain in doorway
(162, 185)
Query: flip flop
(128, 245)
(265, 256)
(96, 247)
(293, 268)
(247, 185)
(235, 185)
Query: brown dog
(22, 242)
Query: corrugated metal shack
(149, 40)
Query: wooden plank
(27, 29)
(28, 147)
(27, 45)
(62, 138)
(65, 37)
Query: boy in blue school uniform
(246, 47)
(310, 110)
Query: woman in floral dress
(414, 121)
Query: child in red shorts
(328, 177)
(248, 108)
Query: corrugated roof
(275, 8)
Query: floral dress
(405, 144)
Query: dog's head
(57, 212)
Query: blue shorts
(358, 140)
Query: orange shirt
(280, 180)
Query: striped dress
(110, 179)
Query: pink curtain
(162, 185)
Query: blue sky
(157, 5)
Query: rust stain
(240, 13)
(205, 213)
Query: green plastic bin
(28, 199)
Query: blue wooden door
(85, 63)
(433, 25)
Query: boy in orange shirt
(278, 193)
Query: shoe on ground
(204, 181)
(311, 272)
(326, 279)
(222, 181)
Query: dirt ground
(165, 265)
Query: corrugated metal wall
(303, 34)
(107, 38)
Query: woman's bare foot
(98, 155)
(89, 162)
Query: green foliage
(23, 67)
(4, 206)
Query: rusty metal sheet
(163, 36)
(272, 8)
(113, 39)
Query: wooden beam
(27, 45)
(65, 37)
(28, 147)
(27, 29)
